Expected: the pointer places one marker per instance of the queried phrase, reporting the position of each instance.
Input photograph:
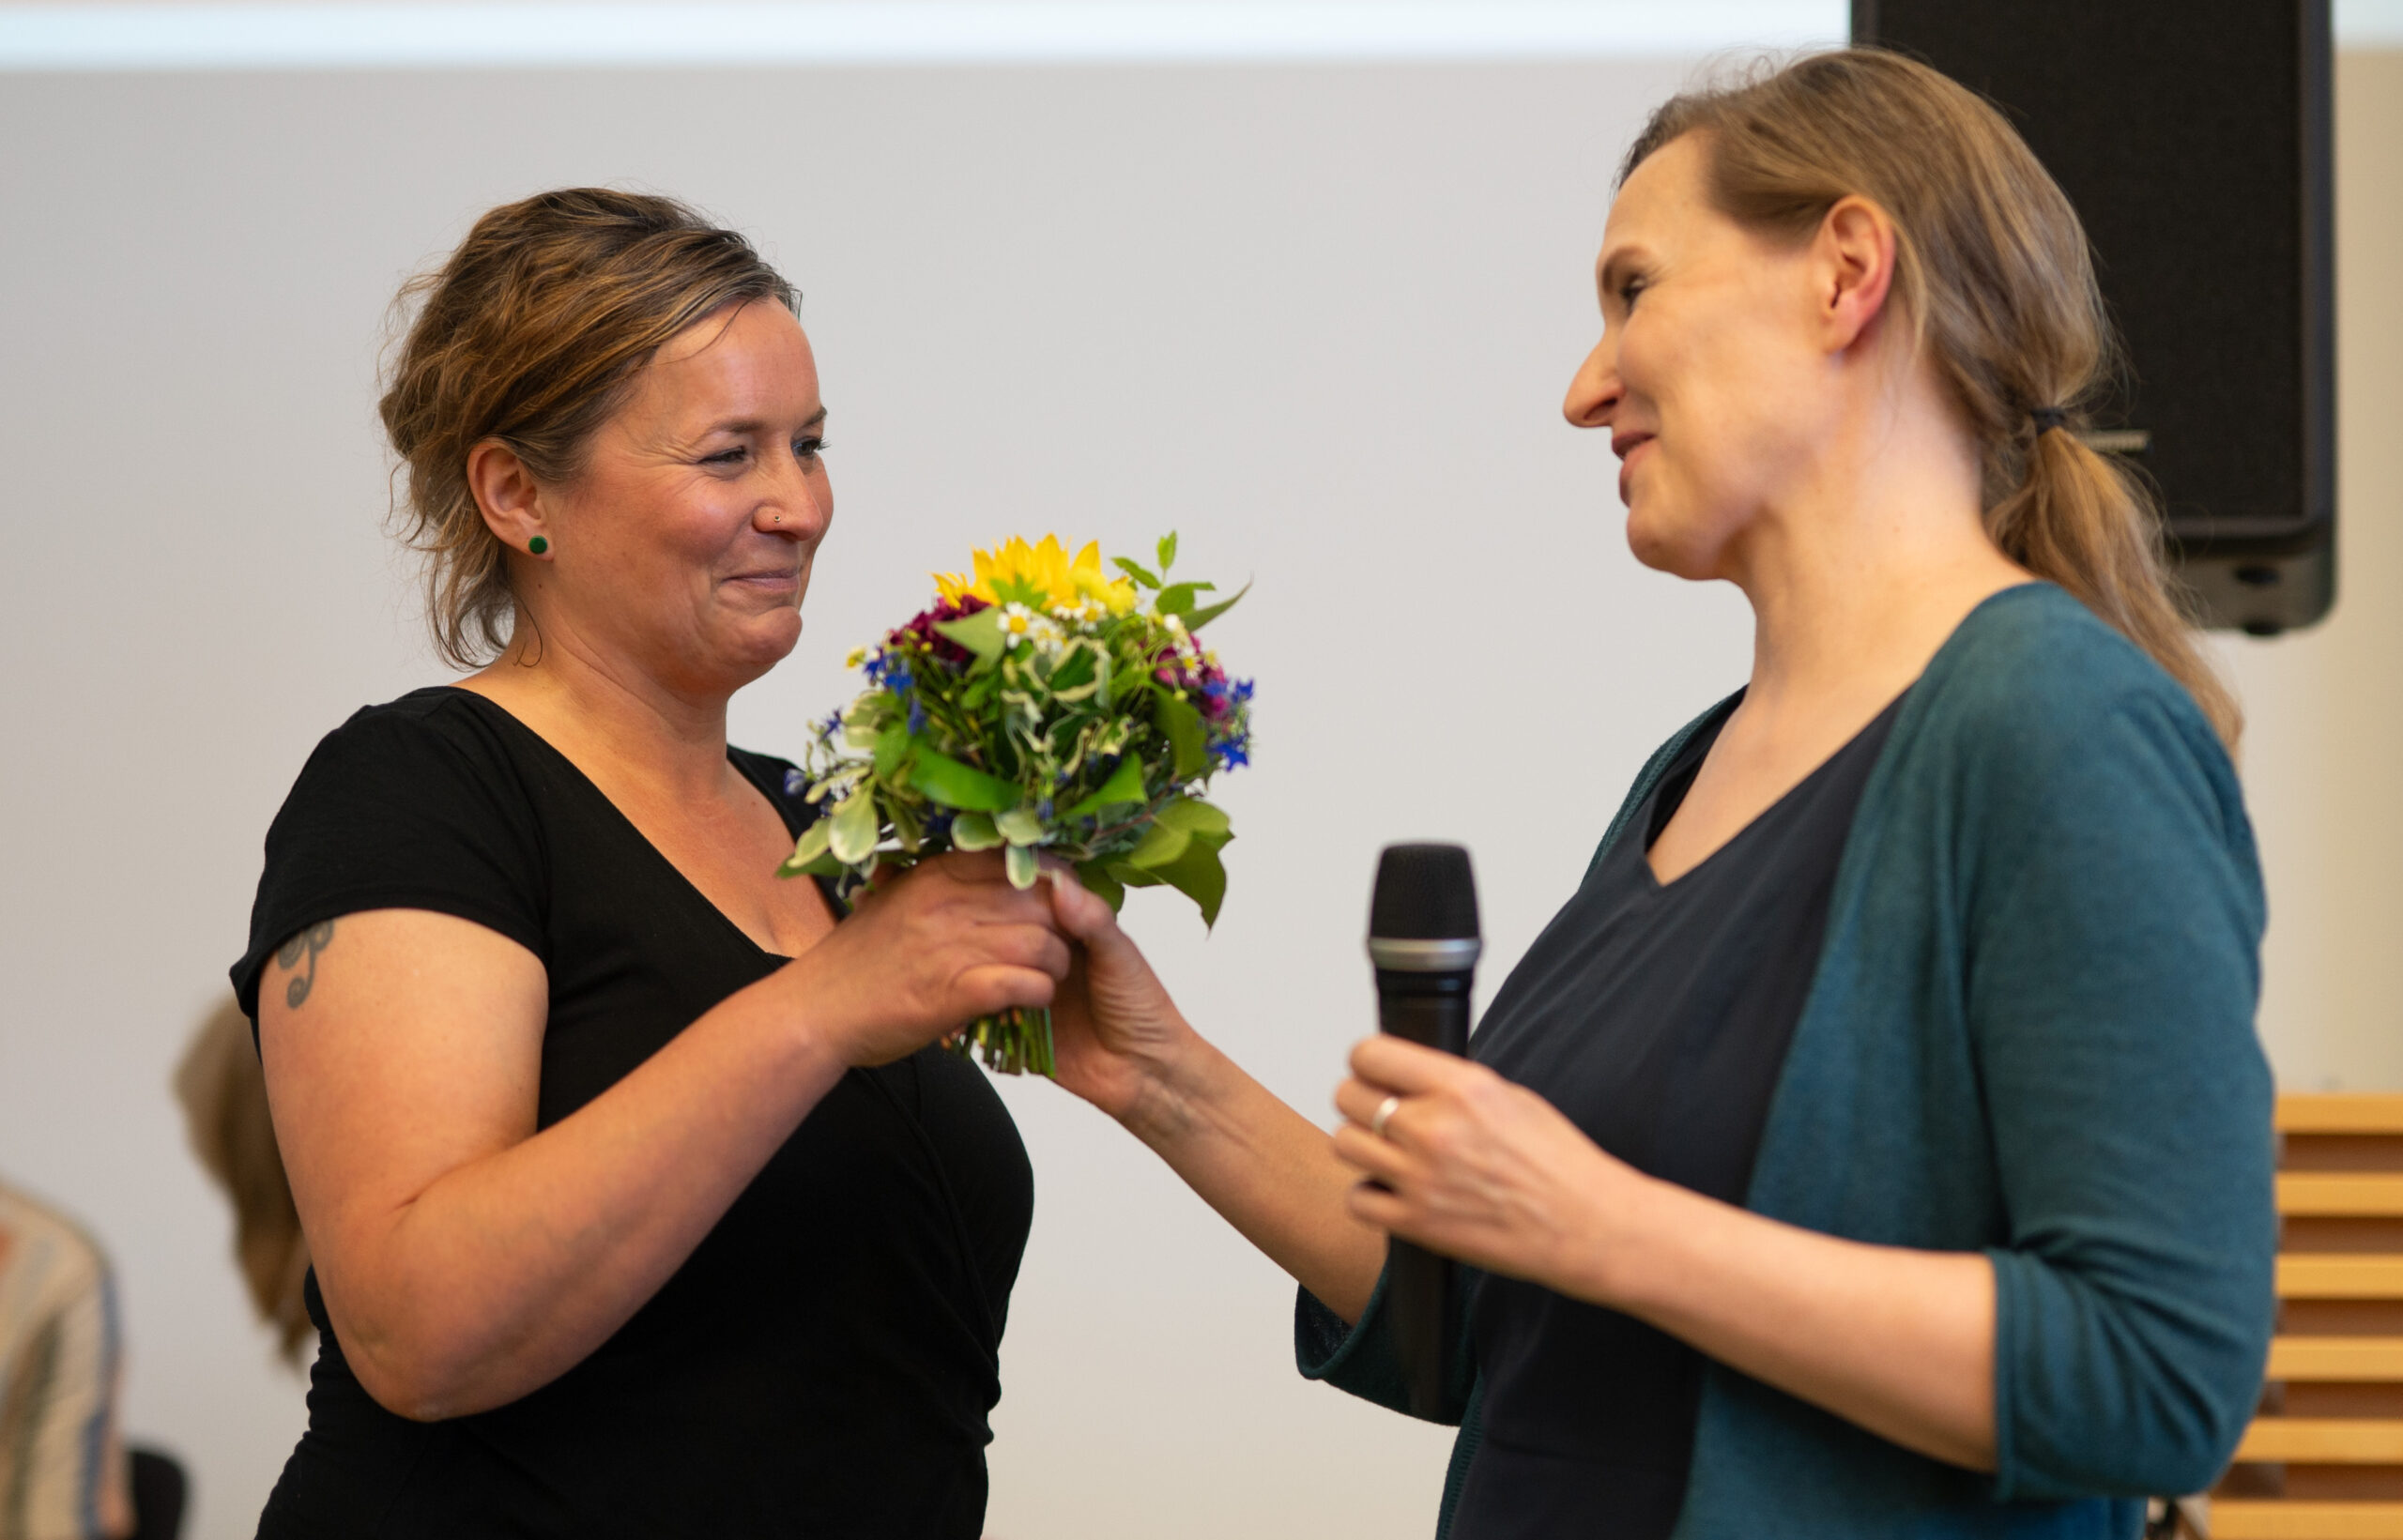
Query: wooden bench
(2323, 1461)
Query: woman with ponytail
(1878, 1142)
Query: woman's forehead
(1668, 182)
(757, 354)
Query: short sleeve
(414, 805)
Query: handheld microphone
(1423, 938)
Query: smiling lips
(1624, 444)
(776, 577)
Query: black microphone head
(1423, 893)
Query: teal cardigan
(2031, 1035)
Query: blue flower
(795, 782)
(917, 717)
(900, 679)
(1043, 809)
(828, 728)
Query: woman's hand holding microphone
(1469, 1165)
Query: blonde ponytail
(1994, 271)
(2079, 520)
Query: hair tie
(2048, 418)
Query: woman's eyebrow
(1614, 270)
(745, 426)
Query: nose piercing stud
(538, 545)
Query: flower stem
(1014, 1042)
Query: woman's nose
(1595, 391)
(802, 502)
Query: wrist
(1174, 1085)
(816, 1035)
(1620, 1254)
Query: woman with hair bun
(1878, 1142)
(638, 1201)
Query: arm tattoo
(287, 956)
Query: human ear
(1853, 262)
(506, 494)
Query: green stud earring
(538, 545)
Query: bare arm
(1899, 1341)
(467, 1259)
(1269, 1171)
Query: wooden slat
(2323, 1194)
(2336, 1277)
(2337, 1358)
(2359, 1112)
(2253, 1519)
(2323, 1440)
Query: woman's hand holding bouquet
(1042, 708)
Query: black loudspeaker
(2193, 136)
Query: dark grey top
(1657, 1018)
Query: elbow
(417, 1369)
(2197, 1413)
(417, 1385)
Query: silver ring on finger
(1384, 1111)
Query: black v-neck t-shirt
(823, 1363)
(1656, 1018)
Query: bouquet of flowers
(1043, 705)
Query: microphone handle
(1431, 1009)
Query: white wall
(1316, 318)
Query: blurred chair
(223, 1094)
(158, 1491)
(2324, 1459)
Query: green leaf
(1200, 876)
(1197, 817)
(906, 827)
(1096, 878)
(1021, 591)
(1076, 670)
(1133, 876)
(980, 632)
(854, 827)
(974, 832)
(1208, 612)
(1023, 867)
(891, 746)
(947, 780)
(1181, 725)
(1161, 846)
(1168, 550)
(1137, 570)
(1126, 785)
(1019, 826)
(1177, 599)
(807, 852)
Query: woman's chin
(757, 644)
(1666, 543)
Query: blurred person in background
(63, 1472)
(225, 1101)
